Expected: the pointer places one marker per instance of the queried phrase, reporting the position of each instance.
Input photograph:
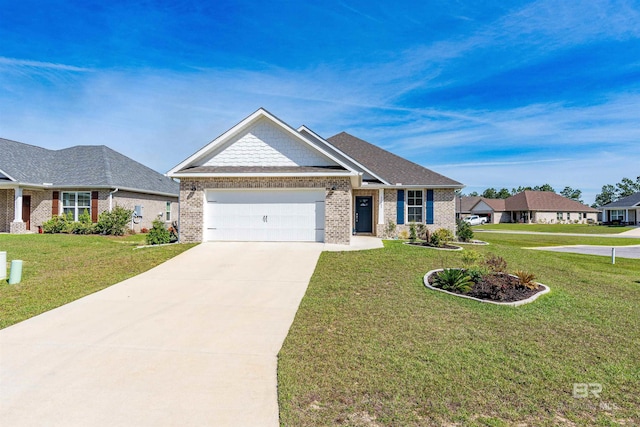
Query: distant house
(529, 206)
(37, 183)
(464, 205)
(624, 210)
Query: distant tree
(473, 194)
(627, 187)
(503, 194)
(571, 193)
(520, 189)
(544, 187)
(606, 196)
(490, 193)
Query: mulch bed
(497, 287)
(429, 245)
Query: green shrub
(83, 225)
(465, 233)
(158, 234)
(455, 280)
(114, 222)
(413, 235)
(471, 257)
(441, 237)
(476, 273)
(59, 224)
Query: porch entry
(364, 214)
(26, 211)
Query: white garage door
(265, 215)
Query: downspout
(111, 199)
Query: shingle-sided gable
(265, 144)
(394, 169)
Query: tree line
(610, 193)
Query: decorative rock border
(474, 242)
(458, 248)
(532, 298)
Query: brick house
(263, 180)
(543, 207)
(37, 183)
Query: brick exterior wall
(41, 206)
(153, 206)
(337, 202)
(6, 210)
(390, 213)
(444, 210)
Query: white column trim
(381, 206)
(17, 204)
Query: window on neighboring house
(617, 215)
(568, 216)
(584, 215)
(414, 205)
(76, 203)
(168, 211)
(559, 216)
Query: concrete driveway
(192, 342)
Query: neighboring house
(37, 183)
(464, 205)
(263, 180)
(623, 210)
(544, 207)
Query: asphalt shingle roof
(625, 202)
(81, 166)
(544, 201)
(390, 167)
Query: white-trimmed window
(414, 206)
(76, 203)
(559, 216)
(617, 215)
(168, 211)
(568, 216)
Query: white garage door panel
(292, 215)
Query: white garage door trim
(276, 215)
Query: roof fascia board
(8, 176)
(260, 113)
(261, 174)
(401, 186)
(360, 165)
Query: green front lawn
(371, 346)
(59, 268)
(557, 228)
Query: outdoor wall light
(333, 188)
(193, 188)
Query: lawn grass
(59, 268)
(371, 346)
(557, 228)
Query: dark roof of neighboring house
(95, 166)
(625, 202)
(465, 203)
(390, 167)
(544, 201)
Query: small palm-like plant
(455, 280)
(526, 279)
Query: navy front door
(364, 223)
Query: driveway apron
(192, 342)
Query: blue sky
(493, 94)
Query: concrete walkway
(192, 342)
(632, 251)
